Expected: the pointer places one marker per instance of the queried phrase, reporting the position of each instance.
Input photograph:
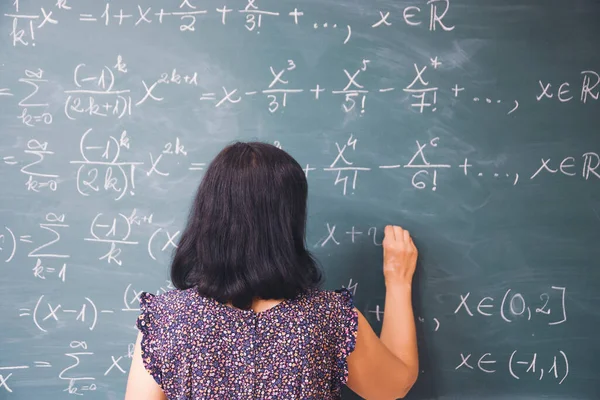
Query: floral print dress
(197, 348)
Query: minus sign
(250, 93)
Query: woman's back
(196, 347)
(244, 243)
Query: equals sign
(5, 92)
(24, 312)
(49, 270)
(87, 17)
(37, 119)
(42, 364)
(208, 96)
(25, 238)
(197, 166)
(8, 160)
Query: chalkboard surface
(474, 124)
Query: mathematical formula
(101, 169)
(27, 24)
(99, 92)
(79, 131)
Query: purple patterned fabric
(198, 348)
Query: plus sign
(377, 312)
(435, 63)
(465, 166)
(296, 14)
(353, 233)
(160, 15)
(317, 90)
(121, 16)
(457, 89)
(308, 169)
(107, 106)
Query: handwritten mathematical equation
(78, 358)
(511, 306)
(26, 24)
(99, 91)
(115, 163)
(101, 168)
(47, 313)
(520, 364)
(112, 232)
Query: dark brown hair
(245, 236)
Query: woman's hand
(399, 256)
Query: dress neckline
(240, 312)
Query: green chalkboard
(474, 124)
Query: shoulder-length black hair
(245, 236)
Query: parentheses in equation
(94, 224)
(67, 114)
(437, 324)
(125, 181)
(81, 145)
(128, 223)
(125, 297)
(35, 309)
(126, 106)
(502, 314)
(95, 313)
(528, 313)
(118, 152)
(14, 247)
(566, 366)
(80, 185)
(136, 296)
(76, 74)
(510, 362)
(150, 243)
(111, 81)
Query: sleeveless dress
(197, 348)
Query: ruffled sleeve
(147, 323)
(346, 338)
